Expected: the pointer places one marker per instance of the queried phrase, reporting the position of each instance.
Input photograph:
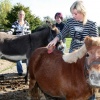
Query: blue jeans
(19, 67)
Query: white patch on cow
(96, 39)
(74, 56)
(94, 78)
(15, 57)
(78, 54)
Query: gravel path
(12, 86)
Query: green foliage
(12, 16)
(68, 42)
(5, 7)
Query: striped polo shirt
(17, 29)
(78, 31)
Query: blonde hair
(79, 6)
(21, 11)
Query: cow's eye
(87, 55)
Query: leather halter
(87, 67)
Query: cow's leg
(26, 76)
(34, 90)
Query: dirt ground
(12, 86)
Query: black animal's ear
(49, 24)
(47, 21)
(53, 25)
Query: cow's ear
(88, 42)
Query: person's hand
(53, 42)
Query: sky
(43, 8)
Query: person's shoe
(20, 74)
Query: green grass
(68, 41)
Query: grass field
(68, 41)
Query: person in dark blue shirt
(59, 21)
(60, 25)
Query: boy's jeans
(19, 67)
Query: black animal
(15, 48)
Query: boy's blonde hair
(79, 6)
(21, 11)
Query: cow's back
(56, 77)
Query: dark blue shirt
(60, 27)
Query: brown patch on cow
(57, 78)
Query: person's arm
(53, 42)
(61, 35)
(28, 31)
(65, 31)
(94, 30)
(13, 27)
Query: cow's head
(93, 60)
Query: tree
(5, 7)
(32, 19)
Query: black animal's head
(54, 30)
